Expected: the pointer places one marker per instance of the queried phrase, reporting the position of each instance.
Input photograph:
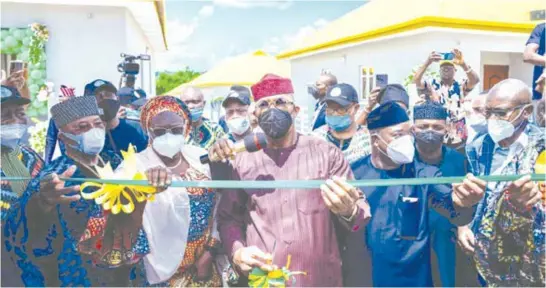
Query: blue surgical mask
(338, 123)
(196, 114)
(90, 142)
(11, 134)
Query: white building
(394, 36)
(86, 37)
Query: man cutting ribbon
(302, 223)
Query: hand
(222, 149)
(122, 113)
(541, 82)
(16, 79)
(458, 57)
(466, 240)
(53, 192)
(204, 266)
(469, 192)
(159, 177)
(373, 98)
(247, 258)
(433, 57)
(523, 193)
(340, 197)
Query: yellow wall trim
(427, 21)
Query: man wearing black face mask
(429, 129)
(250, 220)
(119, 132)
(318, 91)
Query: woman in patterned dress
(179, 224)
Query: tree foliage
(166, 81)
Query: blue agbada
(41, 247)
(397, 236)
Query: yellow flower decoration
(275, 278)
(119, 197)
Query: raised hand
(53, 190)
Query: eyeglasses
(501, 113)
(337, 111)
(279, 103)
(178, 130)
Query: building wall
(85, 41)
(397, 56)
(138, 44)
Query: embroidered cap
(73, 109)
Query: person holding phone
(450, 91)
(17, 78)
(318, 91)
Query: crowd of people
(468, 233)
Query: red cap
(271, 85)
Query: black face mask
(110, 108)
(429, 139)
(275, 123)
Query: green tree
(166, 81)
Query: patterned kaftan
(510, 246)
(44, 244)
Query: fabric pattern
(205, 135)
(43, 246)
(510, 243)
(452, 99)
(357, 147)
(34, 164)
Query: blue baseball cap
(10, 95)
(98, 85)
(237, 93)
(342, 94)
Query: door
(493, 74)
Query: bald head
(512, 91)
(328, 79)
(192, 97)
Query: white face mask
(168, 144)
(401, 150)
(501, 129)
(90, 142)
(11, 134)
(238, 125)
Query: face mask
(11, 134)
(196, 114)
(400, 150)
(429, 138)
(477, 122)
(338, 123)
(110, 107)
(238, 125)
(90, 142)
(168, 144)
(275, 122)
(132, 114)
(501, 129)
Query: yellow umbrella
(245, 70)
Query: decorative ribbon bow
(116, 197)
(275, 278)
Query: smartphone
(447, 56)
(381, 80)
(15, 66)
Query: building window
(367, 81)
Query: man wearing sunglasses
(341, 128)
(261, 228)
(509, 226)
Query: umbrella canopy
(245, 70)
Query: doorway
(493, 74)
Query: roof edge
(161, 16)
(426, 21)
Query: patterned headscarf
(160, 104)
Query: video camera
(129, 69)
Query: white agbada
(166, 220)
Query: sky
(201, 33)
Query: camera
(129, 69)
